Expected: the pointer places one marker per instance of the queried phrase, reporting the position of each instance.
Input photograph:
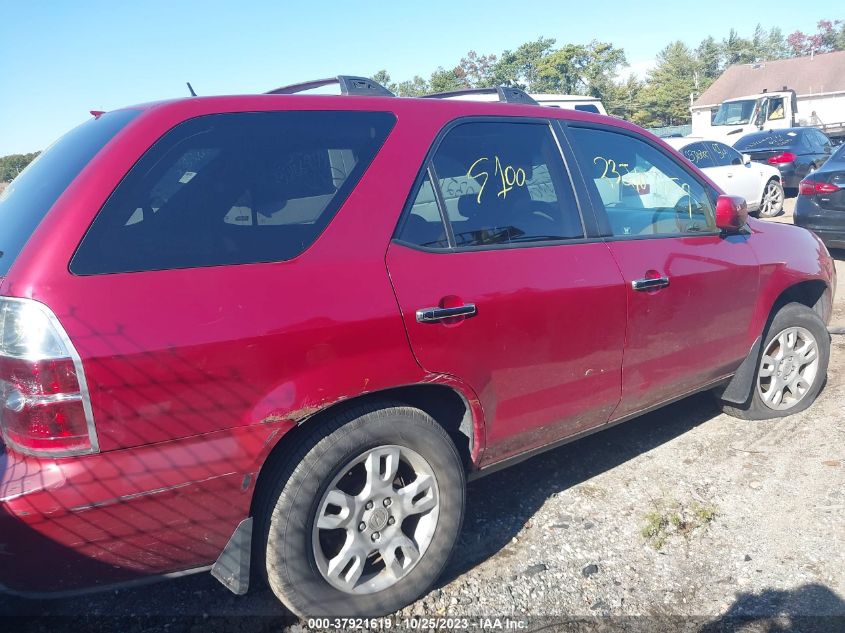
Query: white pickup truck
(770, 111)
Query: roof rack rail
(349, 85)
(507, 94)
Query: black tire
(790, 315)
(287, 514)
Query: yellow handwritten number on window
(511, 176)
(475, 177)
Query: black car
(796, 151)
(821, 201)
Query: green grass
(670, 519)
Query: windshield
(839, 154)
(27, 200)
(735, 112)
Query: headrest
(468, 205)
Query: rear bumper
(831, 239)
(828, 224)
(124, 516)
(789, 176)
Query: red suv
(272, 335)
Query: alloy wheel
(376, 520)
(772, 200)
(788, 368)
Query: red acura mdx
(273, 335)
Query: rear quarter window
(232, 188)
(31, 195)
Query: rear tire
(792, 367)
(362, 519)
(771, 205)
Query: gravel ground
(685, 518)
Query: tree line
(12, 165)
(661, 98)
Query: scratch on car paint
(145, 493)
(271, 437)
(300, 414)
(273, 418)
(436, 378)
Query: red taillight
(55, 428)
(44, 407)
(814, 187)
(784, 157)
(40, 377)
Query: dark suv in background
(796, 151)
(821, 201)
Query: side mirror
(746, 159)
(731, 213)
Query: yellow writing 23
(510, 176)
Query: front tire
(771, 205)
(792, 367)
(363, 518)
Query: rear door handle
(432, 315)
(650, 284)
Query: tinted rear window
(768, 140)
(28, 199)
(699, 155)
(233, 189)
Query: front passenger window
(644, 192)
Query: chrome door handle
(650, 284)
(432, 315)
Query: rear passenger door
(499, 286)
(691, 292)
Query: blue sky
(61, 59)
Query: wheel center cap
(378, 519)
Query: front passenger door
(691, 292)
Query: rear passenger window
(232, 189)
(504, 183)
(806, 143)
(822, 140)
(644, 192)
(724, 155)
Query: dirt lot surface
(684, 513)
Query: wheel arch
(815, 294)
(456, 410)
